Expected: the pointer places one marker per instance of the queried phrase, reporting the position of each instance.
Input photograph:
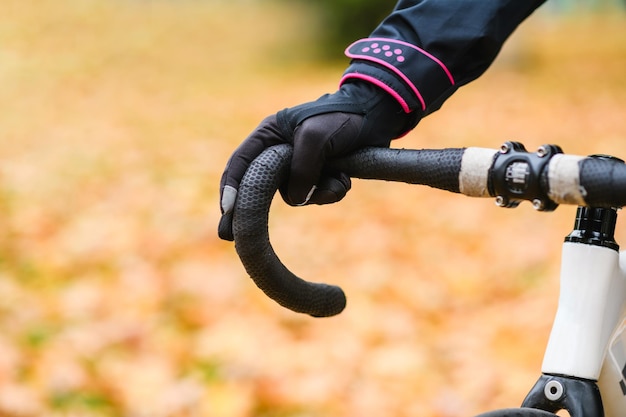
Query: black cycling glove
(359, 114)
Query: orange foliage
(117, 298)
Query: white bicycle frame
(588, 337)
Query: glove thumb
(331, 188)
(227, 205)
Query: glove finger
(227, 204)
(265, 135)
(225, 227)
(314, 141)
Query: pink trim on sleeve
(385, 87)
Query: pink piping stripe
(441, 64)
(394, 69)
(384, 86)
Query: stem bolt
(538, 204)
(542, 151)
(501, 201)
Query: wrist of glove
(359, 114)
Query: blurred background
(118, 299)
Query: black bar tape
(603, 182)
(437, 168)
(251, 214)
(250, 229)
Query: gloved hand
(359, 114)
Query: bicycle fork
(585, 360)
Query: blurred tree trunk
(341, 22)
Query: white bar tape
(564, 180)
(473, 177)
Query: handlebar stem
(518, 175)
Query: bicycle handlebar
(547, 178)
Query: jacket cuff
(414, 77)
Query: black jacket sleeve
(426, 49)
